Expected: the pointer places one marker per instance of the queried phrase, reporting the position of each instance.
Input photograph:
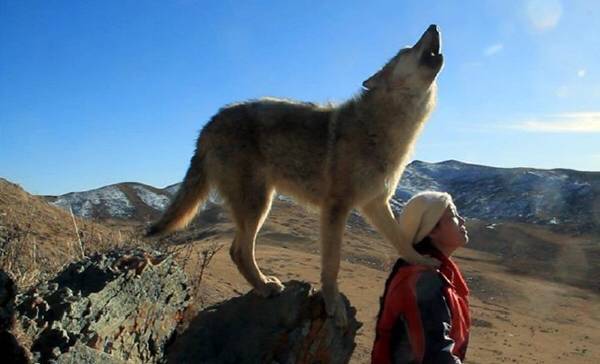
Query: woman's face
(450, 232)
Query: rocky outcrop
(289, 328)
(110, 308)
(128, 307)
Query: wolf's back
(189, 197)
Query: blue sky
(100, 92)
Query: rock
(82, 354)
(125, 307)
(122, 306)
(11, 350)
(8, 292)
(289, 328)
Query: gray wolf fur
(335, 158)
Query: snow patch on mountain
(110, 199)
(415, 180)
(517, 194)
(152, 199)
(213, 196)
(172, 189)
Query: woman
(424, 313)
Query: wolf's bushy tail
(192, 193)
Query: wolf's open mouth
(431, 58)
(431, 55)
(434, 47)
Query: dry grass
(38, 239)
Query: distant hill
(562, 198)
(37, 238)
(129, 200)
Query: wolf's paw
(334, 306)
(270, 287)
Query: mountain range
(560, 198)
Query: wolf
(333, 157)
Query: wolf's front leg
(333, 220)
(380, 215)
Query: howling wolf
(333, 157)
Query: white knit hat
(421, 213)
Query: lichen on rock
(128, 307)
(125, 304)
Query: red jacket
(424, 315)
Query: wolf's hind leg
(249, 210)
(333, 221)
(380, 215)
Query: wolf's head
(414, 69)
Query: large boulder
(289, 328)
(122, 306)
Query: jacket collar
(448, 269)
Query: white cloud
(577, 122)
(493, 49)
(544, 14)
(581, 73)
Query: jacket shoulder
(429, 284)
(420, 277)
(413, 273)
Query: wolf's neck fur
(414, 105)
(390, 121)
(399, 115)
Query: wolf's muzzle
(430, 48)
